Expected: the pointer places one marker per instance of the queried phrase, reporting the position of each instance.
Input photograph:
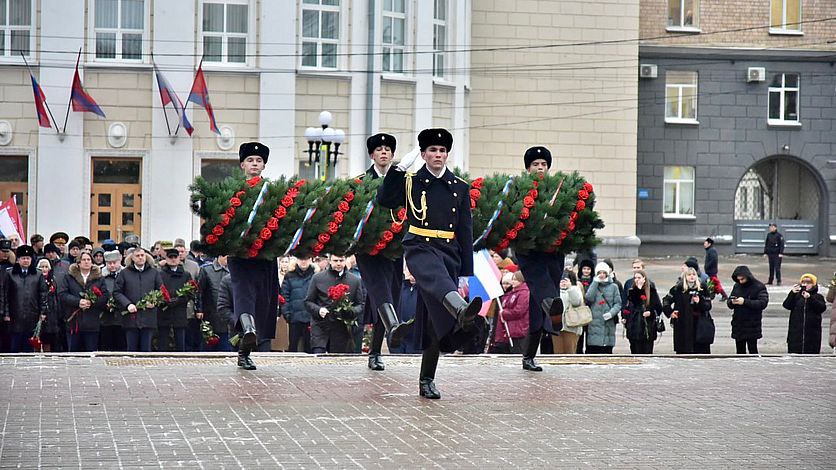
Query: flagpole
(47, 104)
(70, 102)
(186, 105)
(165, 114)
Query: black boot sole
(399, 332)
(249, 342)
(468, 314)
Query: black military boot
(376, 362)
(395, 330)
(553, 308)
(429, 363)
(528, 362)
(244, 360)
(462, 311)
(249, 339)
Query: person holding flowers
(83, 293)
(136, 294)
(171, 320)
(27, 300)
(335, 303)
(643, 308)
(604, 300)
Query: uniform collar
(447, 176)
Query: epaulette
(360, 176)
(462, 180)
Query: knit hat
(602, 266)
(811, 276)
(113, 255)
(693, 263)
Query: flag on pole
(10, 221)
(200, 96)
(167, 95)
(81, 100)
(40, 100)
(485, 282)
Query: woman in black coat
(748, 300)
(27, 299)
(806, 306)
(688, 305)
(640, 313)
(137, 279)
(172, 316)
(82, 315)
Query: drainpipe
(370, 60)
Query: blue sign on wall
(644, 193)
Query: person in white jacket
(572, 296)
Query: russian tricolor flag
(200, 96)
(485, 282)
(167, 95)
(40, 99)
(83, 102)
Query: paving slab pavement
(296, 411)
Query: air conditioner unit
(648, 71)
(756, 74)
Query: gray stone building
(734, 136)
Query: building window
(394, 34)
(217, 170)
(681, 97)
(16, 27)
(683, 14)
(783, 99)
(225, 31)
(785, 16)
(679, 191)
(119, 28)
(439, 36)
(320, 33)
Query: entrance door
(115, 199)
(14, 172)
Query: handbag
(578, 316)
(660, 324)
(705, 329)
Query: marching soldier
(255, 282)
(383, 277)
(438, 248)
(542, 272)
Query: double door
(115, 199)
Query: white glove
(409, 159)
(607, 316)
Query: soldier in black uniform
(438, 248)
(383, 277)
(255, 282)
(542, 272)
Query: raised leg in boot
(463, 311)
(395, 330)
(532, 342)
(429, 363)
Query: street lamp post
(324, 146)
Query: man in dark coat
(294, 291)
(172, 316)
(806, 306)
(209, 280)
(438, 248)
(711, 267)
(111, 336)
(255, 282)
(773, 249)
(27, 299)
(748, 300)
(542, 272)
(134, 282)
(383, 275)
(330, 331)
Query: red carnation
(524, 213)
(519, 226)
(388, 236)
(557, 243)
(213, 341)
(97, 292)
(643, 297)
(533, 193)
(349, 196)
(257, 244)
(536, 184)
(287, 201)
(502, 245)
(478, 183)
(380, 246)
(230, 212)
(333, 228)
(318, 247)
(343, 206)
(280, 212)
(235, 202)
(293, 192)
(540, 176)
(225, 220)
(358, 180)
(396, 228)
(211, 239)
(587, 187)
(282, 300)
(602, 302)
(402, 213)
(475, 194)
(374, 252)
(251, 253)
(571, 226)
(511, 234)
(273, 223)
(580, 206)
(265, 234)
(583, 194)
(528, 201)
(217, 230)
(253, 181)
(166, 294)
(472, 204)
(324, 238)
(338, 217)
(300, 183)
(240, 194)
(563, 235)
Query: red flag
(200, 96)
(40, 100)
(83, 102)
(9, 211)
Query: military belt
(425, 232)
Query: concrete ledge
(619, 247)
